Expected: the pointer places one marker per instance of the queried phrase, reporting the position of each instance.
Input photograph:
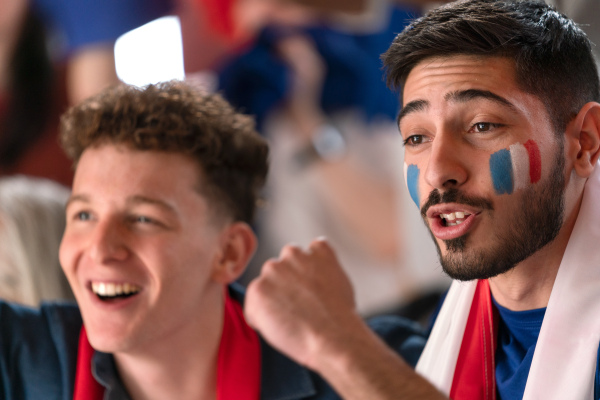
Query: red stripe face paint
(516, 167)
(535, 161)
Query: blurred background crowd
(307, 70)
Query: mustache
(454, 196)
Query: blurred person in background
(32, 221)
(311, 75)
(223, 28)
(52, 54)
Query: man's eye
(83, 216)
(483, 127)
(143, 220)
(414, 140)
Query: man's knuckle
(291, 251)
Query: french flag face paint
(411, 177)
(516, 167)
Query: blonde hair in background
(32, 221)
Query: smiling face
(140, 247)
(483, 163)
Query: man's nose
(446, 164)
(107, 243)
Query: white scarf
(565, 356)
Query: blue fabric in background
(256, 80)
(84, 22)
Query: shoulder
(22, 323)
(38, 349)
(405, 336)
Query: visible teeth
(113, 289)
(110, 289)
(454, 218)
(450, 217)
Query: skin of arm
(303, 305)
(90, 70)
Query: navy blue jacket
(39, 354)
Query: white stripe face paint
(520, 166)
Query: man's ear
(584, 134)
(238, 243)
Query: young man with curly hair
(157, 231)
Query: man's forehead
(136, 174)
(462, 81)
(121, 156)
(458, 79)
(456, 70)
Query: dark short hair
(178, 118)
(552, 55)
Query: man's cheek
(516, 167)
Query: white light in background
(151, 53)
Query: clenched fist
(302, 303)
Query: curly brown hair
(176, 117)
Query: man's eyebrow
(77, 197)
(411, 107)
(460, 96)
(133, 200)
(463, 96)
(137, 200)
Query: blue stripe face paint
(412, 181)
(502, 171)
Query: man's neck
(182, 366)
(527, 286)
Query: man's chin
(458, 245)
(106, 337)
(463, 267)
(464, 263)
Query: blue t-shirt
(517, 336)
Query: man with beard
(501, 124)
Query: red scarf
(474, 376)
(238, 366)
